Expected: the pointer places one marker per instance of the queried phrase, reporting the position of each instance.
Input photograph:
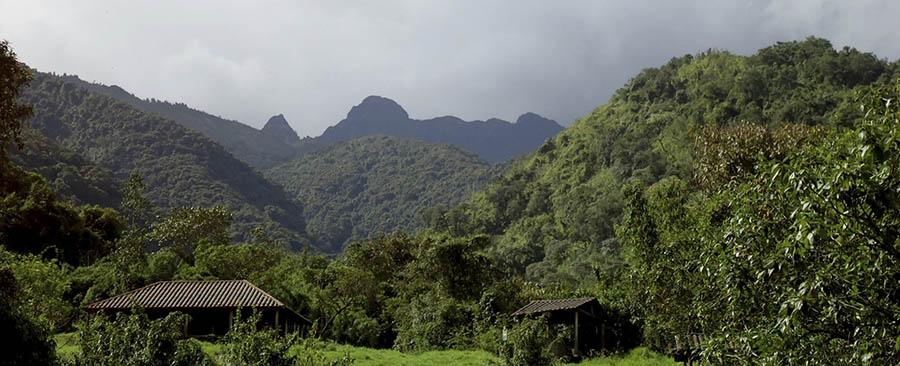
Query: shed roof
(192, 294)
(543, 306)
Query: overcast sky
(313, 60)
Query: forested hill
(179, 166)
(74, 178)
(555, 212)
(366, 186)
(494, 140)
(257, 148)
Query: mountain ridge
(494, 139)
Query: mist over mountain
(494, 140)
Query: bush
(134, 339)
(528, 345)
(27, 342)
(246, 344)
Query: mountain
(180, 166)
(554, 213)
(494, 140)
(258, 148)
(366, 186)
(278, 126)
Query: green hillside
(71, 176)
(259, 149)
(554, 213)
(181, 167)
(376, 184)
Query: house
(211, 305)
(584, 314)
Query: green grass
(66, 347)
(383, 357)
(640, 356)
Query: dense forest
(180, 167)
(554, 214)
(259, 149)
(753, 199)
(378, 184)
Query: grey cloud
(313, 60)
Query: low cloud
(313, 60)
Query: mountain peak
(535, 119)
(379, 109)
(278, 126)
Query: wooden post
(603, 336)
(576, 332)
(186, 319)
(277, 326)
(230, 320)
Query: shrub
(247, 345)
(134, 339)
(528, 345)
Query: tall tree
(13, 75)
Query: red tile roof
(192, 294)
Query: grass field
(66, 347)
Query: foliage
(247, 344)
(792, 262)
(41, 288)
(30, 343)
(13, 76)
(32, 220)
(528, 345)
(134, 339)
(562, 203)
(188, 229)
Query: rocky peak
(534, 119)
(378, 109)
(278, 126)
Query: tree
(793, 261)
(190, 228)
(13, 75)
(29, 342)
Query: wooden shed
(211, 305)
(585, 314)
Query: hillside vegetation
(378, 184)
(554, 213)
(181, 167)
(254, 147)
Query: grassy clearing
(640, 356)
(379, 357)
(66, 347)
(384, 357)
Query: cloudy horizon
(313, 61)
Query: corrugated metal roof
(542, 306)
(192, 294)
